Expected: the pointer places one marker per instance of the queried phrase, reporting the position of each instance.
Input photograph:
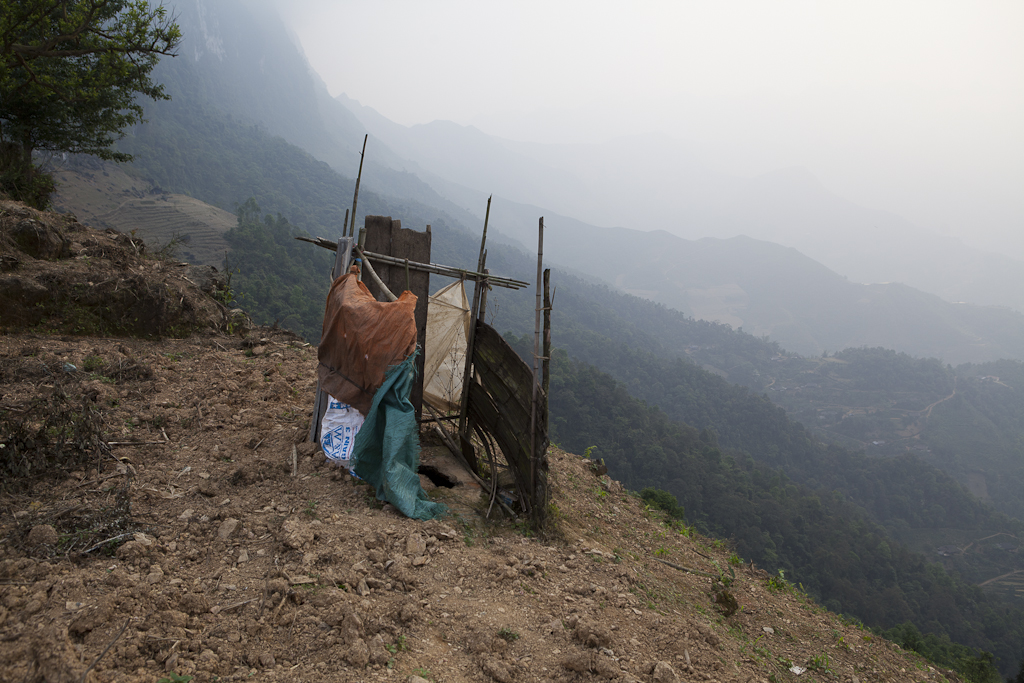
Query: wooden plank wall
(500, 402)
(387, 236)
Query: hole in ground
(437, 477)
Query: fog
(911, 107)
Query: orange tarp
(361, 339)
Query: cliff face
(163, 513)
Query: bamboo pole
(467, 372)
(483, 297)
(474, 311)
(536, 361)
(483, 240)
(376, 278)
(355, 197)
(547, 332)
(435, 268)
(362, 256)
(336, 272)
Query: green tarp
(387, 448)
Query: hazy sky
(916, 107)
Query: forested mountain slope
(820, 536)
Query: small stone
(296, 534)
(243, 555)
(408, 612)
(143, 539)
(156, 575)
(664, 673)
(497, 669)
(362, 589)
(171, 662)
(227, 528)
(768, 629)
(194, 603)
(358, 654)
(420, 561)
(416, 679)
(415, 545)
(266, 660)
(42, 534)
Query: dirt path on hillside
(927, 411)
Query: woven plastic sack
(338, 431)
(387, 449)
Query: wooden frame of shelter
(504, 401)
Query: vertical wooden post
(483, 297)
(355, 197)
(384, 235)
(342, 259)
(536, 366)
(546, 354)
(467, 447)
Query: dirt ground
(163, 516)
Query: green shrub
(664, 501)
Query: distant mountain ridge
(653, 181)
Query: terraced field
(197, 228)
(105, 196)
(1010, 585)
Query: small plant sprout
(508, 635)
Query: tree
(70, 74)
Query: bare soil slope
(162, 516)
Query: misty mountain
(775, 291)
(648, 182)
(266, 83)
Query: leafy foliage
(277, 278)
(664, 501)
(70, 74)
(977, 667)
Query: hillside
(103, 195)
(968, 421)
(181, 525)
